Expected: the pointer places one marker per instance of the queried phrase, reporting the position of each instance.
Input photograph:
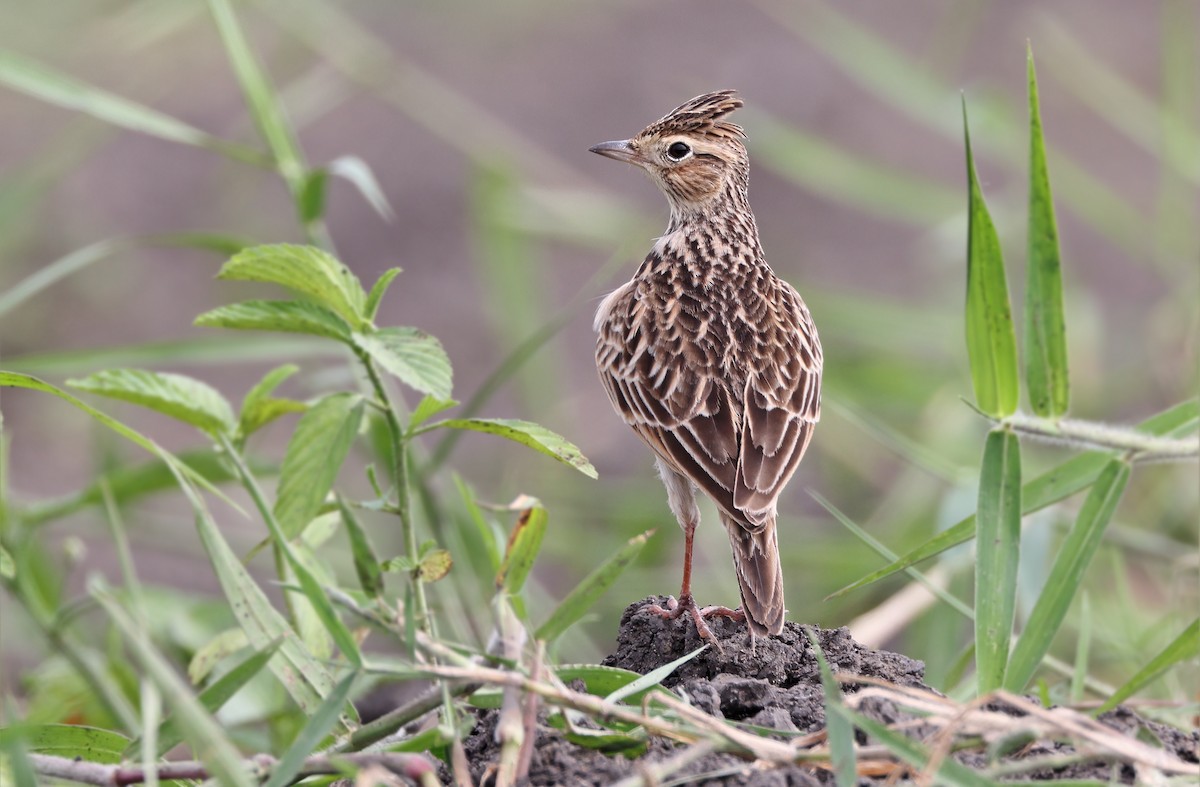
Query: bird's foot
(686, 603)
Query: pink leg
(686, 602)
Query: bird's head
(693, 154)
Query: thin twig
(1091, 435)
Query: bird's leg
(686, 602)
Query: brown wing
(782, 404)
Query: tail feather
(760, 578)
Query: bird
(710, 357)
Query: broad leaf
(314, 456)
(527, 433)
(1045, 327)
(305, 269)
(184, 398)
(991, 343)
(997, 551)
(282, 316)
(413, 357)
(1066, 576)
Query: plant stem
(1090, 435)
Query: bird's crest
(701, 115)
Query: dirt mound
(774, 682)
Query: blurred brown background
(476, 118)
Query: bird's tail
(760, 578)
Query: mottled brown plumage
(710, 357)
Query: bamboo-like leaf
(210, 654)
(319, 725)
(314, 456)
(203, 733)
(259, 408)
(1184, 647)
(283, 316)
(378, 290)
(991, 343)
(184, 398)
(414, 357)
(586, 593)
(1066, 575)
(72, 741)
(653, 677)
(597, 679)
(44, 83)
(1045, 327)
(527, 433)
(305, 269)
(1058, 483)
(46, 275)
(838, 730)
(997, 550)
(523, 546)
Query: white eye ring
(678, 151)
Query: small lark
(710, 357)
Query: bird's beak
(621, 150)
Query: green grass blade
(991, 343)
(366, 562)
(997, 545)
(1185, 646)
(378, 290)
(178, 396)
(261, 98)
(16, 759)
(203, 733)
(653, 677)
(44, 83)
(1060, 482)
(1046, 375)
(535, 436)
(319, 725)
(523, 547)
(1066, 575)
(318, 447)
(58, 270)
(839, 732)
(585, 594)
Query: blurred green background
(476, 118)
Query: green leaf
(184, 398)
(1066, 575)
(214, 651)
(314, 456)
(378, 290)
(366, 562)
(305, 269)
(1184, 647)
(71, 741)
(838, 730)
(630, 744)
(310, 197)
(428, 407)
(997, 546)
(1060, 482)
(213, 697)
(580, 600)
(8, 568)
(414, 357)
(597, 679)
(991, 343)
(282, 316)
(523, 546)
(1045, 327)
(319, 725)
(202, 732)
(527, 433)
(652, 678)
(259, 408)
(434, 565)
(44, 83)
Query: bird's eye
(678, 151)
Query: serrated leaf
(181, 397)
(412, 356)
(378, 290)
(305, 269)
(1046, 375)
(991, 343)
(71, 741)
(434, 565)
(1066, 479)
(997, 552)
(527, 433)
(585, 594)
(1066, 575)
(281, 316)
(523, 546)
(314, 456)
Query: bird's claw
(686, 603)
